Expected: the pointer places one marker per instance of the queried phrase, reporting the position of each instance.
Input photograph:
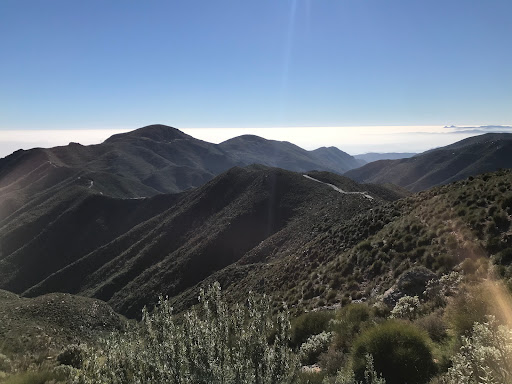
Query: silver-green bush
(408, 307)
(316, 344)
(210, 343)
(484, 357)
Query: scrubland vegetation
(416, 291)
(457, 332)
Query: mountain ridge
(469, 157)
(161, 159)
(103, 247)
(374, 156)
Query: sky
(352, 71)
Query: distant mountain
(145, 162)
(372, 156)
(333, 157)
(126, 251)
(249, 149)
(469, 157)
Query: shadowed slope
(183, 241)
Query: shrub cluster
(211, 343)
(400, 350)
(484, 357)
(314, 346)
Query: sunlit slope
(461, 225)
(42, 326)
(183, 241)
(469, 157)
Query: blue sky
(100, 64)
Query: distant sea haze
(353, 140)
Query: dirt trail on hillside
(339, 189)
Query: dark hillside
(333, 258)
(64, 234)
(372, 156)
(128, 251)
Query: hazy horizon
(353, 140)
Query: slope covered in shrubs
(34, 332)
(370, 290)
(463, 224)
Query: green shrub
(468, 307)
(474, 303)
(348, 323)
(401, 353)
(309, 324)
(504, 257)
(331, 361)
(364, 246)
(501, 222)
(434, 325)
(331, 295)
(507, 204)
(355, 313)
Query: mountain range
(469, 157)
(124, 250)
(155, 211)
(148, 161)
(372, 156)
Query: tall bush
(211, 343)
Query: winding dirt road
(339, 189)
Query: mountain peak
(155, 132)
(327, 149)
(246, 139)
